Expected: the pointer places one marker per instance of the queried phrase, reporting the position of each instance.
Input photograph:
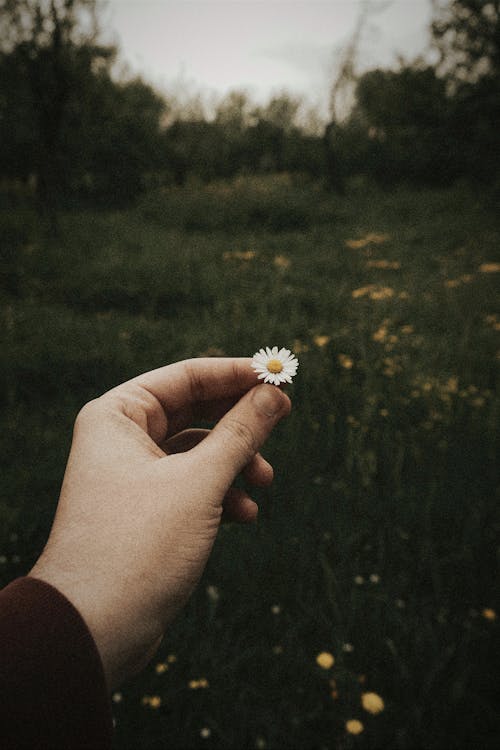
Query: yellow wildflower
(377, 239)
(493, 321)
(390, 367)
(281, 262)
(392, 265)
(239, 255)
(321, 340)
(489, 614)
(153, 701)
(372, 703)
(374, 292)
(198, 684)
(489, 267)
(355, 244)
(380, 334)
(325, 660)
(384, 292)
(345, 361)
(362, 291)
(299, 347)
(452, 385)
(353, 726)
(371, 238)
(161, 668)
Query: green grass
(385, 469)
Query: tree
(402, 120)
(49, 52)
(276, 123)
(235, 112)
(341, 103)
(114, 141)
(466, 34)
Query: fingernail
(268, 400)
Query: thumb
(239, 434)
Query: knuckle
(241, 435)
(88, 413)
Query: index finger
(197, 380)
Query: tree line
(71, 132)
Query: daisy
(275, 366)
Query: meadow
(373, 566)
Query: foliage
(467, 35)
(276, 203)
(69, 127)
(233, 145)
(81, 133)
(406, 112)
(48, 52)
(376, 542)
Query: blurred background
(206, 178)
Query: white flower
(275, 366)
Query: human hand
(143, 496)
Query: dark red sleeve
(52, 685)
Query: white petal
(260, 358)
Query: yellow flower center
(275, 365)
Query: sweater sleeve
(52, 684)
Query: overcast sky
(263, 46)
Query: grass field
(377, 541)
